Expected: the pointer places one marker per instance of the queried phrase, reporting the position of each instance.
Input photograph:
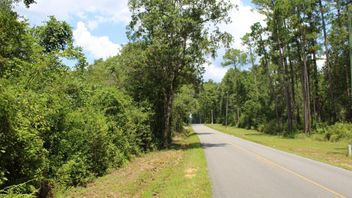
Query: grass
(334, 153)
(178, 172)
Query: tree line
(63, 125)
(276, 83)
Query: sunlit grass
(178, 172)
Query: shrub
(86, 134)
(55, 124)
(271, 127)
(22, 154)
(336, 132)
(74, 172)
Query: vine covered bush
(57, 125)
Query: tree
(58, 123)
(185, 104)
(177, 42)
(350, 41)
(209, 101)
(235, 58)
(26, 2)
(55, 35)
(14, 38)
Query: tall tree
(350, 44)
(177, 40)
(235, 58)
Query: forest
(64, 125)
(293, 75)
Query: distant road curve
(240, 168)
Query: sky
(99, 26)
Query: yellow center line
(259, 157)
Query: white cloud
(92, 25)
(116, 11)
(242, 19)
(99, 47)
(213, 72)
(92, 13)
(321, 62)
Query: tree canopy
(176, 41)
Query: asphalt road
(239, 168)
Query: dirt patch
(130, 180)
(191, 172)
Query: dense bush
(68, 137)
(57, 125)
(22, 154)
(336, 132)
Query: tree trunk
(328, 65)
(292, 82)
(314, 81)
(238, 115)
(212, 117)
(347, 73)
(305, 73)
(227, 108)
(306, 92)
(287, 85)
(316, 96)
(349, 10)
(166, 129)
(285, 73)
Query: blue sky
(99, 26)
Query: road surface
(239, 168)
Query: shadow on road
(199, 145)
(204, 133)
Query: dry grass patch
(178, 172)
(130, 180)
(190, 172)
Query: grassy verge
(177, 172)
(334, 153)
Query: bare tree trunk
(292, 82)
(316, 99)
(212, 117)
(306, 92)
(238, 115)
(285, 73)
(331, 86)
(227, 108)
(347, 80)
(166, 129)
(221, 114)
(287, 86)
(349, 10)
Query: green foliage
(283, 88)
(11, 31)
(86, 135)
(173, 39)
(55, 35)
(57, 124)
(235, 58)
(22, 154)
(185, 104)
(336, 132)
(26, 2)
(74, 172)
